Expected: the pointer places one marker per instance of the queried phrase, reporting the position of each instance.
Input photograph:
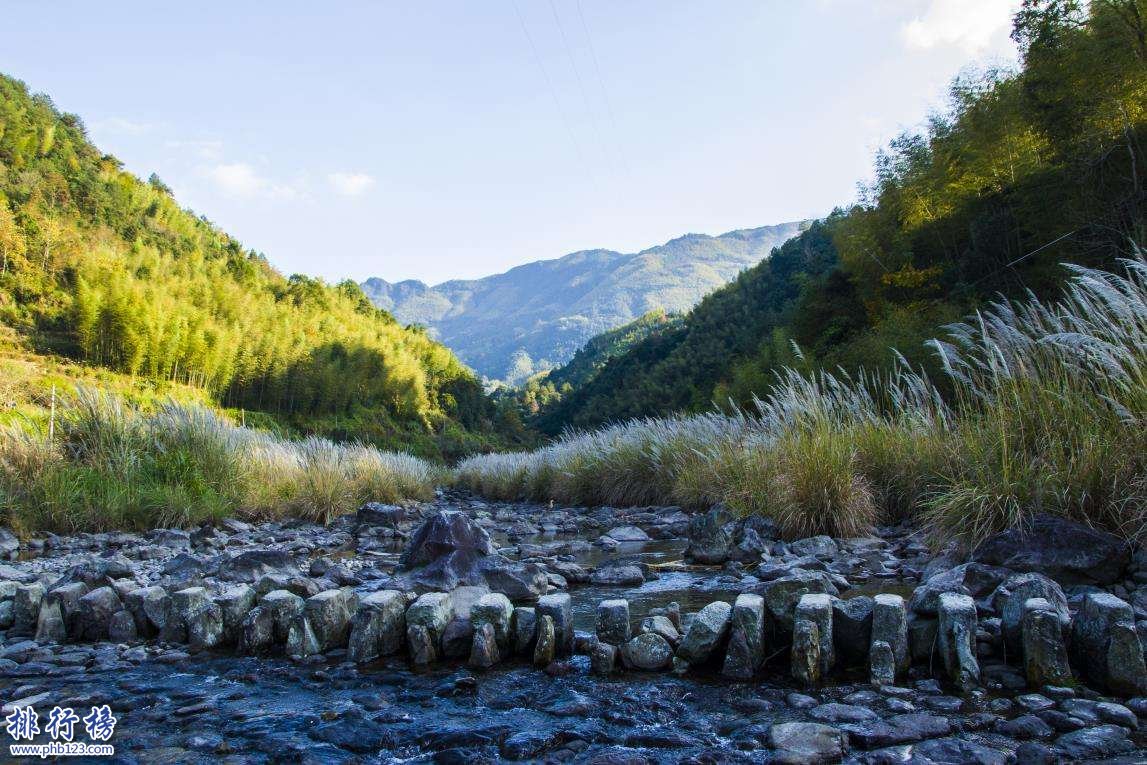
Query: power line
(554, 95)
(604, 91)
(577, 76)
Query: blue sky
(435, 140)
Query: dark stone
(1068, 552)
(709, 541)
(1093, 743)
(252, 565)
(852, 629)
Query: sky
(438, 140)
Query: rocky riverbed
(461, 630)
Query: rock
(545, 647)
(663, 626)
(746, 651)
(647, 651)
(148, 606)
(181, 606)
(821, 546)
(524, 626)
(805, 653)
(852, 629)
(975, 579)
(956, 634)
(251, 565)
(818, 608)
(1068, 552)
(378, 626)
(834, 712)
(805, 743)
(457, 637)
(602, 658)
(957, 750)
(1044, 652)
(1105, 645)
(302, 641)
(627, 534)
(431, 613)
(890, 625)
(283, 607)
(496, 610)
(330, 614)
(882, 664)
(898, 729)
(9, 544)
(378, 514)
(782, 595)
(95, 611)
(26, 608)
(707, 634)
(618, 576)
(67, 598)
(1012, 595)
(205, 626)
(50, 624)
(422, 644)
(557, 607)
(257, 632)
(121, 627)
(921, 638)
(709, 542)
(612, 625)
(1031, 753)
(235, 603)
(1096, 743)
(484, 651)
(1024, 727)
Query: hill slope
(550, 308)
(1026, 171)
(98, 266)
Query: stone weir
(1000, 619)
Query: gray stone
(782, 595)
(627, 534)
(648, 651)
(1044, 652)
(545, 647)
(378, 627)
(302, 642)
(235, 603)
(205, 626)
(1068, 552)
(805, 654)
(524, 625)
(1105, 645)
(181, 606)
(67, 597)
(921, 638)
(975, 579)
(852, 629)
(602, 658)
(421, 643)
(557, 607)
(706, 634)
(818, 608)
(484, 651)
(890, 625)
(121, 627)
(257, 633)
(709, 541)
(95, 611)
(251, 565)
(663, 626)
(458, 636)
(618, 576)
(330, 614)
(746, 651)
(431, 612)
(805, 743)
(612, 624)
(26, 608)
(882, 664)
(1012, 595)
(496, 610)
(955, 638)
(282, 606)
(820, 546)
(50, 624)
(148, 606)
(1098, 743)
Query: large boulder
(648, 651)
(807, 743)
(1068, 552)
(975, 579)
(782, 595)
(379, 626)
(1010, 599)
(709, 541)
(707, 634)
(250, 566)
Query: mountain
(535, 316)
(1027, 170)
(100, 267)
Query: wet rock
(612, 624)
(746, 651)
(283, 607)
(882, 664)
(627, 534)
(181, 606)
(496, 610)
(1044, 652)
(1106, 646)
(1068, 552)
(557, 607)
(817, 608)
(251, 565)
(890, 625)
(9, 544)
(663, 626)
(95, 611)
(1031, 753)
(618, 576)
(709, 541)
(421, 643)
(782, 595)
(1094, 743)
(446, 549)
(378, 626)
(302, 642)
(975, 579)
(330, 615)
(545, 647)
(524, 625)
(707, 634)
(805, 653)
(834, 712)
(804, 743)
(484, 652)
(603, 658)
(67, 598)
(898, 729)
(921, 638)
(820, 546)
(647, 651)
(205, 626)
(234, 604)
(26, 608)
(955, 639)
(458, 635)
(957, 750)
(1012, 595)
(426, 619)
(852, 629)
(148, 606)
(1024, 727)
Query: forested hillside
(98, 266)
(534, 317)
(1024, 171)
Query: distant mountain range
(536, 316)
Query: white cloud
(971, 25)
(350, 184)
(239, 179)
(209, 150)
(123, 125)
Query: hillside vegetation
(1025, 170)
(534, 317)
(100, 267)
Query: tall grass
(113, 466)
(1049, 414)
